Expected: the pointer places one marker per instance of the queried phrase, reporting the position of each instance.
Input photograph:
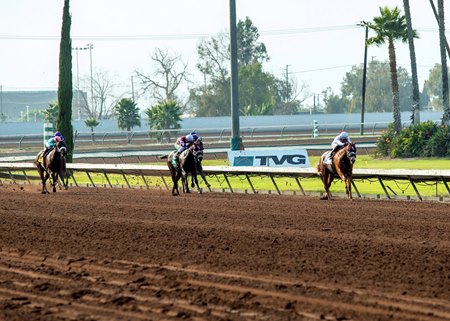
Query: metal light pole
(363, 104)
(90, 47)
(1, 102)
(236, 141)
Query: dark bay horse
(53, 165)
(341, 166)
(187, 165)
(198, 154)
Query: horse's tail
(319, 168)
(163, 156)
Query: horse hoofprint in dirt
(341, 166)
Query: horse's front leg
(194, 176)
(348, 187)
(202, 174)
(44, 177)
(54, 181)
(175, 178)
(185, 182)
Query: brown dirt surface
(121, 254)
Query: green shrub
(425, 139)
(439, 145)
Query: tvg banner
(272, 158)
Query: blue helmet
(58, 134)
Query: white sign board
(271, 158)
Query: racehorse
(341, 166)
(187, 165)
(53, 165)
(198, 154)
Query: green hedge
(426, 139)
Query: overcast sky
(318, 40)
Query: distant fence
(211, 134)
(11, 170)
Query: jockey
(181, 145)
(60, 135)
(338, 142)
(50, 144)
(195, 136)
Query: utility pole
(287, 74)
(132, 88)
(363, 94)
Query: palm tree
(389, 27)
(415, 116)
(166, 115)
(442, 41)
(127, 114)
(91, 123)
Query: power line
(177, 36)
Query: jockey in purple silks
(181, 145)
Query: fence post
(48, 131)
(315, 128)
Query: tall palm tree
(415, 116)
(389, 27)
(442, 41)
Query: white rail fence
(413, 177)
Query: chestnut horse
(341, 166)
(54, 166)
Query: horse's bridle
(351, 153)
(62, 150)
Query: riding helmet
(190, 138)
(344, 135)
(58, 134)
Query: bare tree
(102, 104)
(165, 80)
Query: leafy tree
(166, 115)
(257, 88)
(249, 51)
(433, 86)
(91, 123)
(127, 114)
(378, 92)
(333, 103)
(415, 117)
(389, 27)
(65, 94)
(256, 95)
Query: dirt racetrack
(120, 254)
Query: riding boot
(44, 155)
(176, 160)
